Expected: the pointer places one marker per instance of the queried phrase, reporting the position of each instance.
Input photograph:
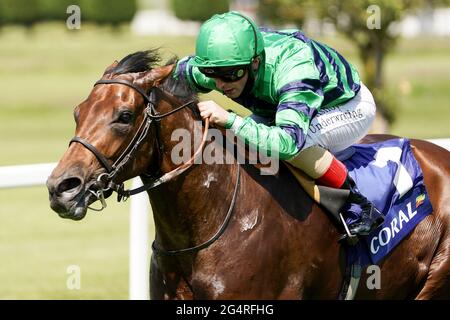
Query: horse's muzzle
(68, 197)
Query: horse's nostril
(68, 184)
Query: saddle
(388, 174)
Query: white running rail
(139, 263)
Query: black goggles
(226, 74)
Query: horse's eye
(125, 117)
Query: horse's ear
(110, 67)
(155, 76)
(163, 72)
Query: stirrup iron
(351, 239)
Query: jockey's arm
(288, 135)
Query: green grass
(37, 247)
(46, 73)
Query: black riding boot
(371, 217)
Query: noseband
(105, 181)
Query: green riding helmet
(228, 39)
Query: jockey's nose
(220, 84)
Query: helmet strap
(250, 80)
(252, 73)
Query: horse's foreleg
(156, 281)
(167, 285)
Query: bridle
(105, 181)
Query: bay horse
(224, 231)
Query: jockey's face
(234, 89)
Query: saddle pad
(388, 174)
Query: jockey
(307, 100)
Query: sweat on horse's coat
(291, 251)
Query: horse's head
(114, 138)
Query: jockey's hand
(215, 113)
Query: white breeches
(337, 128)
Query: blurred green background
(46, 70)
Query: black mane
(147, 60)
(137, 62)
